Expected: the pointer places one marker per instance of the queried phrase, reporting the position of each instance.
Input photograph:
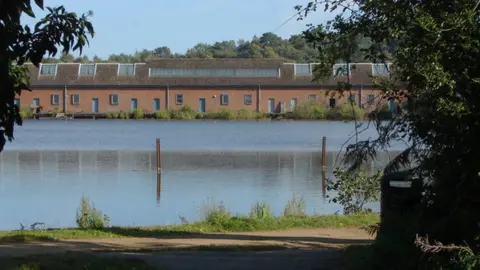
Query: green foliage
(137, 114)
(216, 213)
(243, 114)
(309, 111)
(88, 217)
(185, 113)
(261, 210)
(109, 115)
(346, 111)
(224, 114)
(435, 58)
(355, 189)
(19, 44)
(26, 113)
(123, 115)
(161, 115)
(295, 207)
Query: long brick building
(205, 85)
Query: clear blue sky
(126, 26)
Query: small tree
(354, 189)
(20, 44)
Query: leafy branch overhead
(434, 50)
(20, 44)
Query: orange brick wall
(190, 97)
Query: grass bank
(232, 224)
(72, 261)
(92, 223)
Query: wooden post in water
(324, 165)
(158, 168)
(159, 161)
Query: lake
(51, 164)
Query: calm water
(51, 164)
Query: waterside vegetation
(304, 111)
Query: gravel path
(303, 249)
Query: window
(114, 99)
(224, 99)
(36, 101)
(55, 99)
(75, 99)
(48, 69)
(126, 69)
(332, 103)
(341, 70)
(87, 69)
(380, 69)
(303, 69)
(371, 99)
(17, 102)
(312, 97)
(352, 98)
(214, 72)
(179, 99)
(248, 99)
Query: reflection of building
(171, 161)
(204, 84)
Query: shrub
(26, 113)
(261, 211)
(295, 207)
(109, 115)
(216, 214)
(243, 114)
(354, 190)
(115, 115)
(345, 112)
(309, 110)
(124, 115)
(225, 114)
(160, 115)
(88, 217)
(259, 115)
(137, 114)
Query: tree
(162, 52)
(20, 44)
(434, 49)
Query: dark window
(312, 97)
(75, 99)
(248, 99)
(224, 99)
(179, 99)
(55, 99)
(332, 103)
(114, 99)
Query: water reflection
(47, 185)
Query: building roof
(194, 72)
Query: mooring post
(324, 166)
(159, 162)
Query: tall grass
(88, 217)
(295, 207)
(261, 210)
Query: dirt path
(304, 249)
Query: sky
(122, 27)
